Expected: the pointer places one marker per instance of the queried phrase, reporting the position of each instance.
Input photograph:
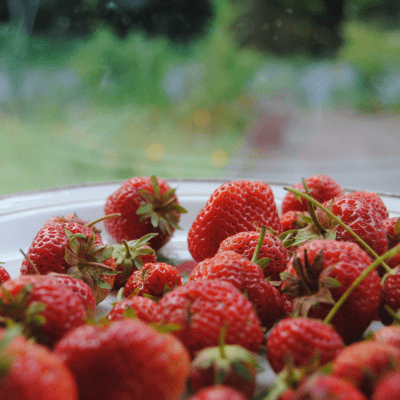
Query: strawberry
(130, 256)
(147, 205)
(387, 388)
(388, 334)
(302, 339)
(69, 218)
(319, 386)
(390, 296)
(244, 243)
(126, 359)
(317, 276)
(74, 249)
(80, 288)
(218, 392)
(292, 220)
(4, 275)
(29, 371)
(228, 365)
(392, 227)
(248, 278)
(372, 198)
(232, 208)
(46, 309)
(365, 363)
(202, 308)
(153, 279)
(143, 308)
(322, 188)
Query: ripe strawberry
(292, 220)
(147, 205)
(153, 279)
(46, 309)
(29, 371)
(365, 363)
(248, 278)
(390, 296)
(322, 188)
(130, 256)
(372, 198)
(69, 218)
(392, 227)
(80, 288)
(72, 248)
(302, 339)
(143, 308)
(244, 243)
(319, 386)
(387, 388)
(232, 208)
(317, 276)
(127, 359)
(388, 334)
(228, 365)
(218, 392)
(4, 275)
(202, 308)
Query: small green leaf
(155, 219)
(156, 186)
(243, 370)
(144, 209)
(332, 283)
(263, 262)
(100, 282)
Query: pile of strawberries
(297, 288)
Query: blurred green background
(93, 90)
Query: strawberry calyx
(311, 285)
(128, 254)
(87, 260)
(163, 210)
(10, 333)
(18, 309)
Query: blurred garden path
(359, 151)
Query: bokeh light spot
(155, 152)
(219, 158)
(201, 118)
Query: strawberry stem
(311, 210)
(102, 219)
(346, 294)
(31, 263)
(340, 222)
(260, 241)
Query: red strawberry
(126, 360)
(309, 287)
(292, 220)
(390, 296)
(4, 275)
(202, 308)
(219, 392)
(147, 205)
(388, 388)
(46, 309)
(244, 243)
(234, 207)
(302, 339)
(322, 188)
(130, 256)
(228, 365)
(80, 288)
(140, 307)
(388, 334)
(365, 363)
(319, 386)
(153, 279)
(29, 371)
(248, 278)
(392, 227)
(75, 249)
(373, 199)
(69, 218)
